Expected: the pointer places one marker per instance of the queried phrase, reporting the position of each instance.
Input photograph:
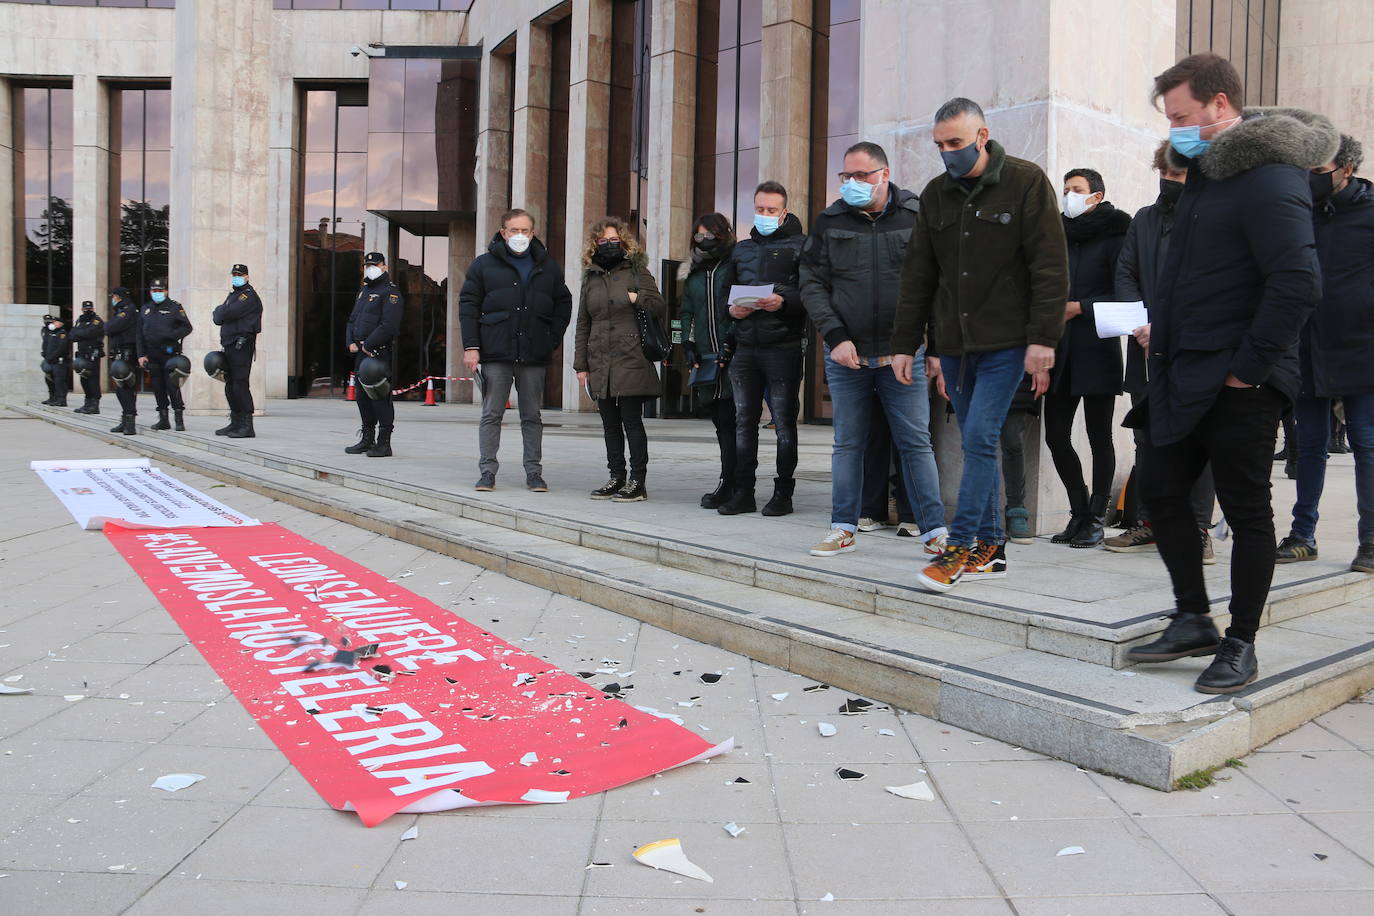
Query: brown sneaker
(1209, 557)
(945, 572)
(836, 542)
(1133, 540)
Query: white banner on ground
(133, 493)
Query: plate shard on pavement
(918, 791)
(174, 782)
(668, 855)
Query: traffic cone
(429, 392)
(352, 391)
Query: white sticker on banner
(134, 495)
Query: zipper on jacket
(873, 281)
(711, 308)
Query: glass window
(142, 144)
(723, 163)
(43, 176)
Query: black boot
(781, 503)
(60, 401)
(119, 427)
(1076, 522)
(719, 495)
(633, 492)
(383, 447)
(740, 502)
(1186, 635)
(1234, 667)
(84, 408)
(1290, 467)
(177, 416)
(233, 422)
(161, 421)
(1090, 532)
(244, 428)
(127, 426)
(95, 407)
(610, 488)
(366, 440)
(1337, 445)
(1282, 454)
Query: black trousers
(883, 469)
(1097, 416)
(757, 373)
(1237, 436)
(723, 419)
(1014, 457)
(58, 383)
(239, 363)
(127, 397)
(380, 412)
(90, 382)
(165, 388)
(1204, 494)
(622, 420)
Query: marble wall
(1326, 63)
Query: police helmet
(122, 371)
(216, 364)
(374, 376)
(179, 367)
(83, 366)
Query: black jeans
(239, 364)
(1237, 436)
(127, 397)
(723, 419)
(622, 419)
(1014, 457)
(1097, 417)
(165, 388)
(380, 412)
(754, 372)
(883, 468)
(1204, 495)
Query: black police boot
(161, 421)
(781, 503)
(95, 407)
(717, 496)
(383, 447)
(1234, 667)
(233, 422)
(365, 441)
(84, 408)
(128, 427)
(740, 502)
(59, 401)
(177, 416)
(244, 429)
(119, 427)
(1186, 635)
(609, 488)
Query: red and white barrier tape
(436, 378)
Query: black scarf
(1102, 221)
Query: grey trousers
(529, 386)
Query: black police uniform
(161, 328)
(57, 356)
(239, 318)
(121, 332)
(373, 325)
(89, 335)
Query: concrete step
(1145, 724)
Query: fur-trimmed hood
(1292, 136)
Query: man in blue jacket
(1240, 280)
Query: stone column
(275, 277)
(785, 104)
(589, 102)
(672, 114)
(529, 161)
(8, 201)
(493, 144)
(1324, 63)
(91, 218)
(220, 165)
(461, 246)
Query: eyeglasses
(860, 176)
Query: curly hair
(1351, 153)
(621, 227)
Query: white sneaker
(936, 545)
(871, 524)
(908, 530)
(837, 541)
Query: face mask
(1187, 141)
(1075, 204)
(518, 244)
(114, 302)
(1323, 185)
(53, 326)
(159, 297)
(708, 245)
(372, 271)
(609, 253)
(857, 193)
(238, 281)
(1169, 191)
(767, 225)
(959, 162)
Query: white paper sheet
(747, 296)
(133, 494)
(1118, 319)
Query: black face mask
(609, 253)
(1323, 185)
(960, 162)
(1169, 191)
(708, 245)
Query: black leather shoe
(609, 488)
(1364, 558)
(1089, 533)
(717, 497)
(1234, 667)
(1076, 523)
(1186, 635)
(741, 502)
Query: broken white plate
(826, 729)
(530, 759)
(919, 791)
(545, 796)
(173, 782)
(887, 732)
(412, 833)
(401, 885)
(734, 829)
(14, 690)
(779, 696)
(667, 855)
(1071, 851)
(828, 898)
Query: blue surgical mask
(857, 193)
(114, 303)
(159, 297)
(766, 225)
(1187, 141)
(238, 281)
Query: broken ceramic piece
(667, 855)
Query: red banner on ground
(384, 701)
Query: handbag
(653, 343)
(706, 372)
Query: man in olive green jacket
(984, 285)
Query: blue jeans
(1314, 432)
(981, 387)
(907, 408)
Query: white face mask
(53, 326)
(1075, 204)
(372, 271)
(518, 243)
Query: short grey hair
(1350, 152)
(956, 107)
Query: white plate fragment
(530, 759)
(545, 796)
(734, 829)
(5, 689)
(779, 696)
(667, 855)
(918, 791)
(828, 898)
(401, 885)
(412, 833)
(173, 782)
(826, 729)
(1071, 851)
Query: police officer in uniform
(372, 328)
(161, 328)
(239, 318)
(89, 335)
(57, 349)
(122, 333)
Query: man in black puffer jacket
(768, 348)
(513, 309)
(1240, 280)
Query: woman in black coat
(1086, 368)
